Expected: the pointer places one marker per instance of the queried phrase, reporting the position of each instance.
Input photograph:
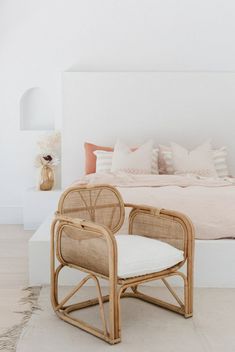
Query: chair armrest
(68, 219)
(84, 244)
(139, 206)
(169, 226)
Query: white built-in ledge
(37, 205)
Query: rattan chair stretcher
(83, 237)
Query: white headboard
(187, 108)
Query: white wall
(39, 39)
(165, 106)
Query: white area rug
(144, 327)
(22, 313)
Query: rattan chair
(83, 237)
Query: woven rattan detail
(84, 248)
(102, 205)
(164, 229)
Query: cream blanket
(209, 202)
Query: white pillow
(166, 165)
(136, 162)
(198, 161)
(104, 161)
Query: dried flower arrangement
(47, 159)
(50, 142)
(48, 146)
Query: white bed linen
(209, 202)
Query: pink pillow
(90, 157)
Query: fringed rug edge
(10, 337)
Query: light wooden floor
(13, 272)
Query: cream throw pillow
(198, 161)
(133, 162)
(104, 161)
(166, 164)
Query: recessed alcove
(35, 111)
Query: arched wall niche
(35, 111)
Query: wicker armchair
(83, 237)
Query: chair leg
(63, 311)
(183, 308)
(188, 292)
(114, 313)
(54, 286)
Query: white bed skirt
(214, 262)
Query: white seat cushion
(138, 255)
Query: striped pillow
(154, 168)
(104, 161)
(165, 160)
(166, 164)
(220, 161)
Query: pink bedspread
(210, 203)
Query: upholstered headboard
(187, 108)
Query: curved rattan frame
(118, 287)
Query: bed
(210, 203)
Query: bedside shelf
(38, 205)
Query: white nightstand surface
(37, 205)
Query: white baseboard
(11, 215)
(32, 226)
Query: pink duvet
(210, 203)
